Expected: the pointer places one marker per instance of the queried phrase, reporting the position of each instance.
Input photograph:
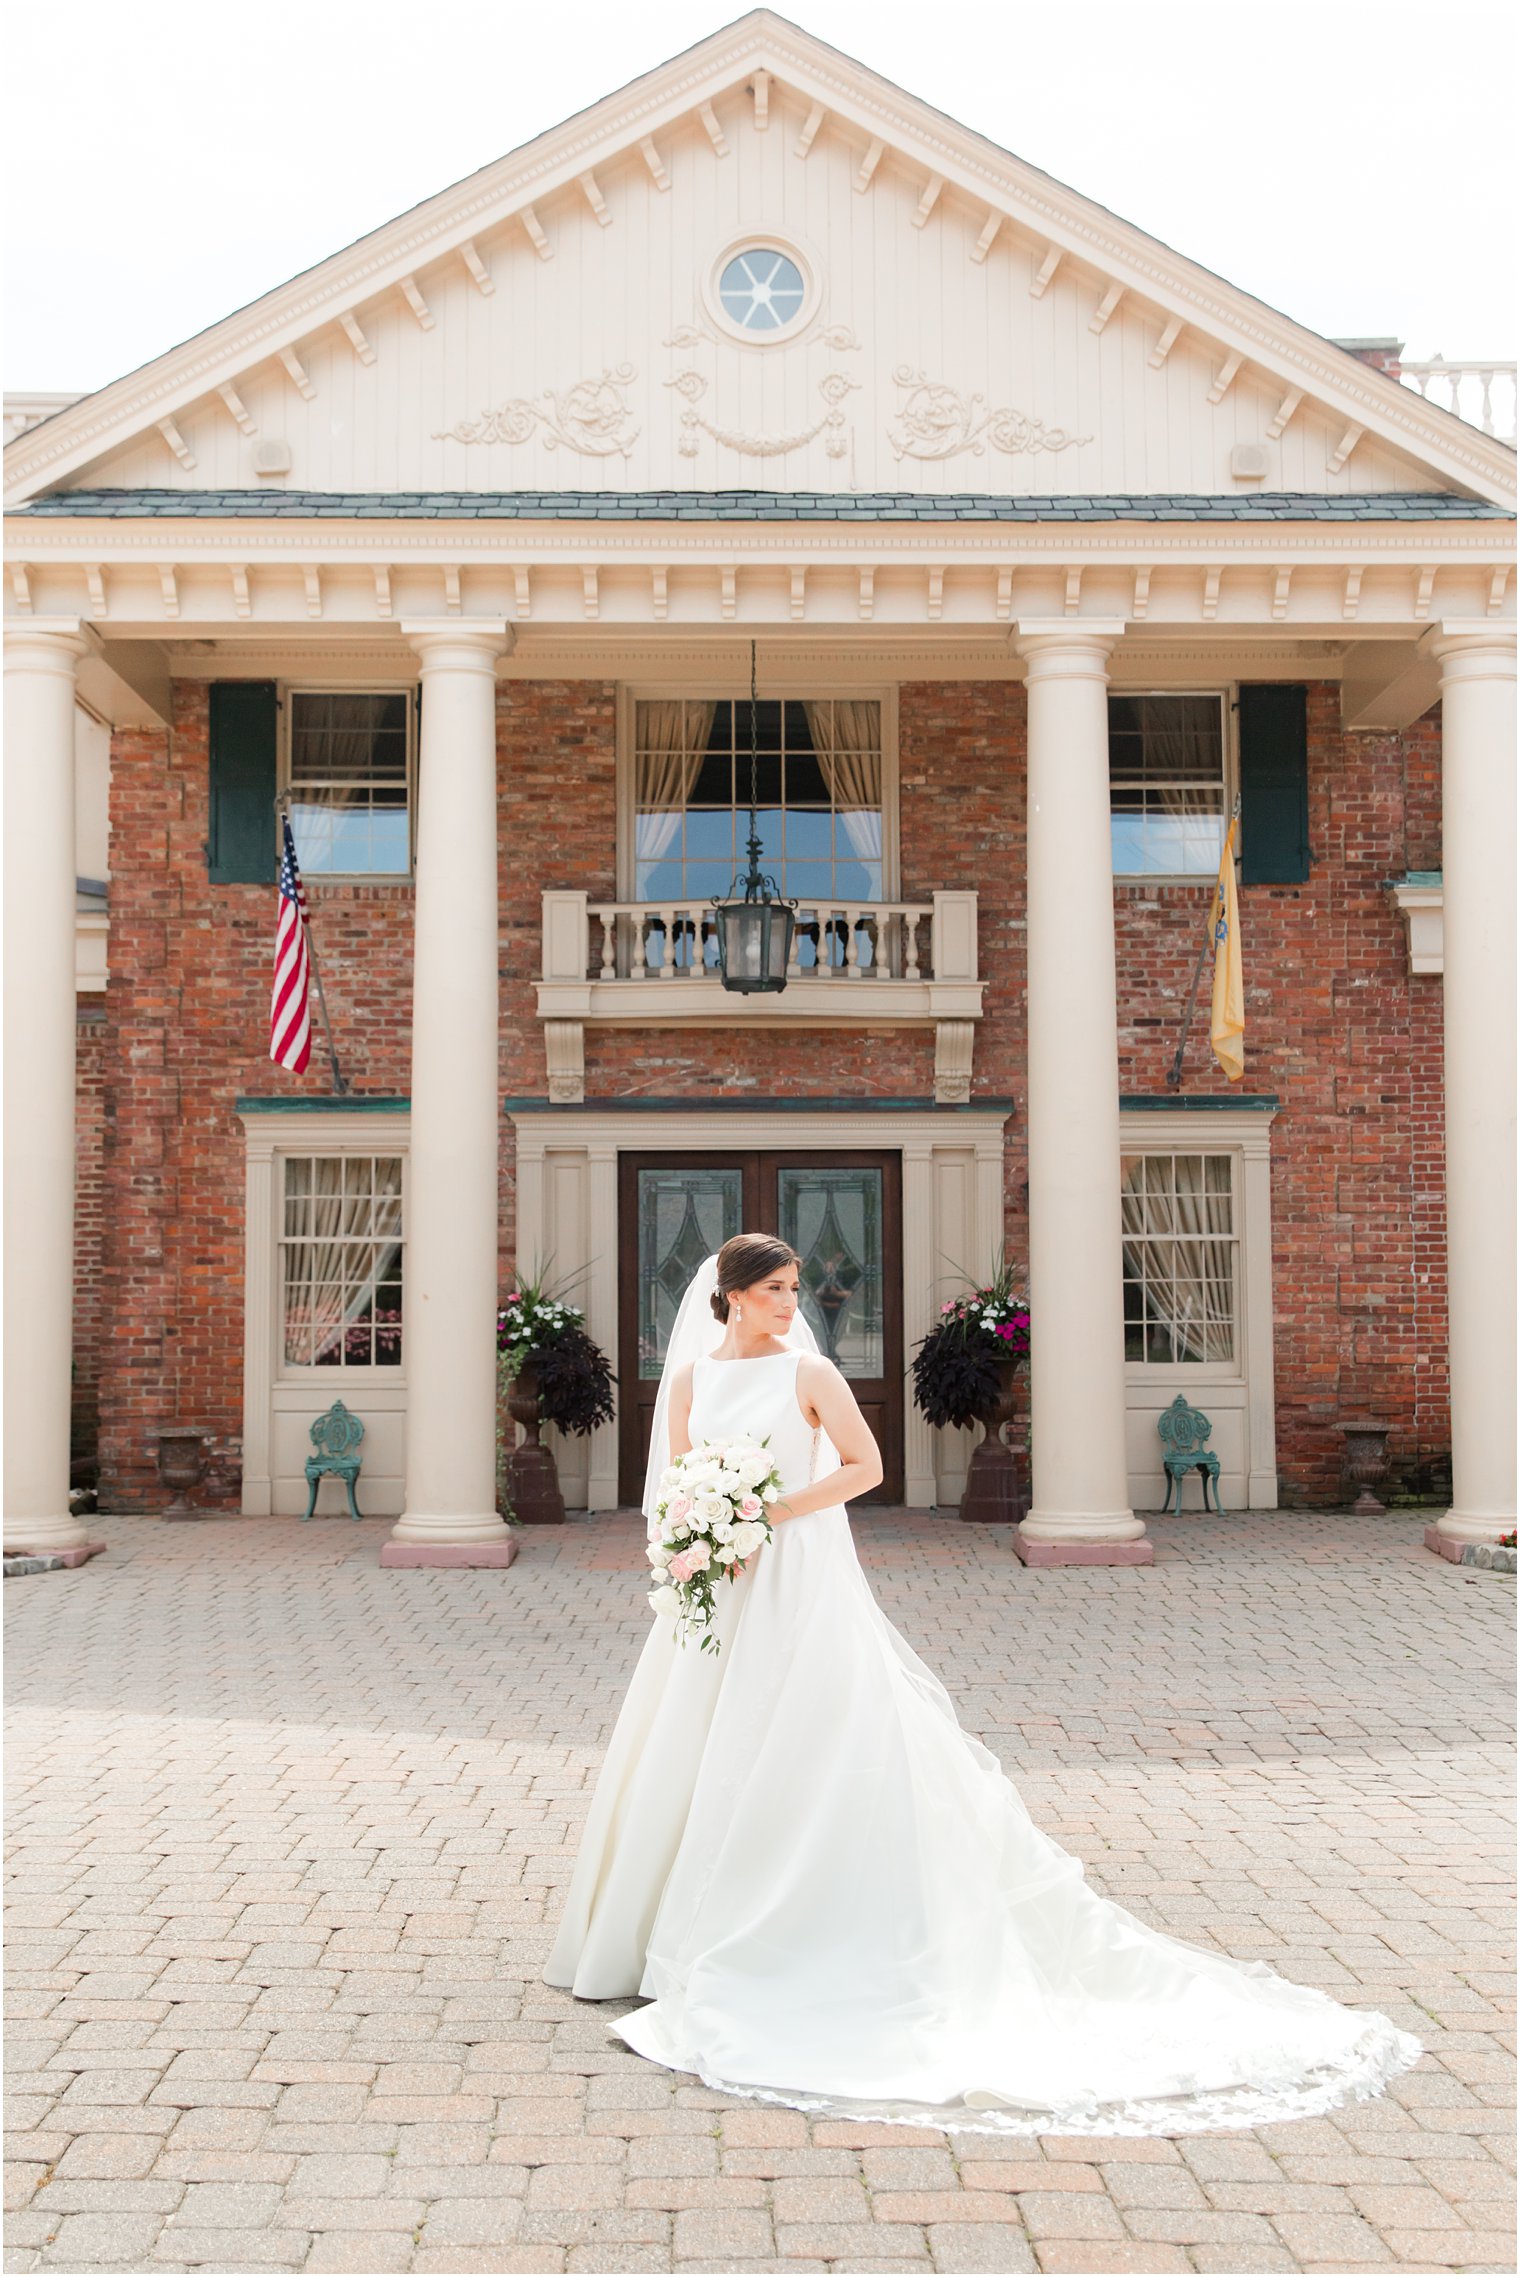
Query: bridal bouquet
(709, 1515)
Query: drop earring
(738, 1312)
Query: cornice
(1028, 199)
(239, 540)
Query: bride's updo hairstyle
(748, 1258)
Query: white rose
(754, 1467)
(660, 1553)
(676, 1529)
(770, 1494)
(664, 1599)
(724, 1530)
(747, 1536)
(710, 1508)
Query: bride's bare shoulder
(681, 1381)
(815, 1374)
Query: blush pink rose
(751, 1506)
(681, 1568)
(680, 1507)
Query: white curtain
(1177, 1221)
(671, 742)
(847, 739)
(331, 1279)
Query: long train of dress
(834, 1899)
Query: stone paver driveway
(289, 1832)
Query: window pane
(341, 1284)
(348, 770)
(818, 790)
(1166, 784)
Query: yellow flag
(1227, 1022)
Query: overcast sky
(1347, 160)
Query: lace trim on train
(1270, 2095)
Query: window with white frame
(1181, 1257)
(349, 772)
(821, 815)
(341, 1256)
(1166, 773)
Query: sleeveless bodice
(756, 1399)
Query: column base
(1453, 1533)
(450, 1553)
(78, 1553)
(1138, 1552)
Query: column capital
(45, 644)
(1472, 648)
(1067, 648)
(459, 644)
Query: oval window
(761, 290)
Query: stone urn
(1366, 1462)
(532, 1480)
(182, 1466)
(997, 1477)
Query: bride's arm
(826, 1398)
(680, 1411)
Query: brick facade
(1337, 1028)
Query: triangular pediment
(555, 322)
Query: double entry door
(842, 1213)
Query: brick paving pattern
(289, 1833)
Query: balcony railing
(832, 941)
(655, 964)
(1482, 394)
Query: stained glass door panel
(833, 1219)
(684, 1216)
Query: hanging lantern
(756, 921)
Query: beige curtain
(670, 740)
(847, 739)
(331, 1279)
(343, 755)
(1183, 767)
(1176, 1213)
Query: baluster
(668, 920)
(609, 942)
(1487, 379)
(910, 927)
(851, 942)
(794, 953)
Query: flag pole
(339, 1079)
(1174, 1072)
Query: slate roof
(761, 506)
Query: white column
(1478, 881)
(1079, 1512)
(450, 1312)
(40, 661)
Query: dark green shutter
(241, 847)
(1274, 784)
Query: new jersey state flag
(1227, 1022)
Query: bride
(827, 1892)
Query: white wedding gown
(838, 1901)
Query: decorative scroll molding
(839, 337)
(833, 387)
(591, 417)
(936, 421)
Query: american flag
(290, 1002)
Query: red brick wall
(89, 1224)
(1336, 1028)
